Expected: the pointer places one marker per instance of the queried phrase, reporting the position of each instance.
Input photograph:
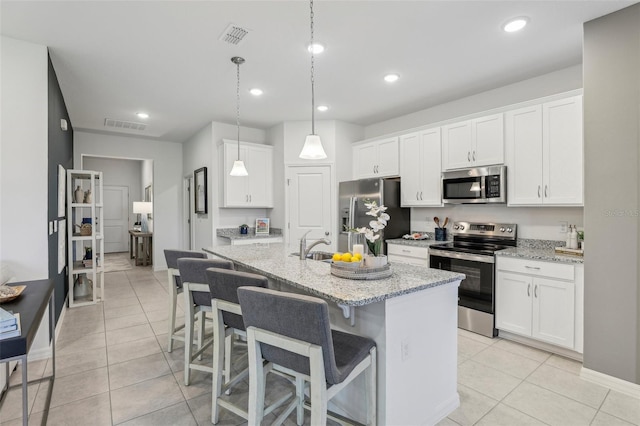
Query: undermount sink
(317, 255)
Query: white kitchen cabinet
(254, 190)
(85, 236)
(420, 168)
(544, 151)
(376, 159)
(537, 300)
(473, 143)
(412, 255)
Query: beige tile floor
(113, 369)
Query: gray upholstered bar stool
(292, 332)
(197, 299)
(175, 288)
(227, 322)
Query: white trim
(613, 383)
(566, 352)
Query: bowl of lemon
(347, 259)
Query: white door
(365, 159)
(553, 311)
(410, 170)
(431, 167)
(513, 303)
(116, 218)
(456, 146)
(188, 214)
(310, 196)
(487, 140)
(388, 162)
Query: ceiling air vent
(124, 125)
(234, 34)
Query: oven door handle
(461, 256)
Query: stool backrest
(194, 271)
(292, 315)
(224, 284)
(172, 256)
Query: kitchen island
(412, 316)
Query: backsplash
(540, 244)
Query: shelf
(78, 237)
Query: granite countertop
(275, 261)
(234, 234)
(413, 243)
(540, 253)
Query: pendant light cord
(313, 112)
(238, 106)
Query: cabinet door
(388, 158)
(431, 168)
(260, 182)
(553, 311)
(487, 135)
(562, 147)
(235, 191)
(456, 146)
(524, 156)
(365, 160)
(513, 302)
(410, 167)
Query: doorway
(116, 218)
(188, 214)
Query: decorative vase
(87, 196)
(441, 234)
(375, 261)
(83, 287)
(357, 243)
(78, 195)
(244, 229)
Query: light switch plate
(563, 227)
(55, 225)
(50, 228)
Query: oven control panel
(503, 230)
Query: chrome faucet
(304, 250)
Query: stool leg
(201, 318)
(219, 346)
(173, 299)
(300, 398)
(318, 387)
(257, 380)
(188, 334)
(227, 359)
(371, 389)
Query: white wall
(544, 85)
(533, 222)
(23, 159)
(167, 162)
(118, 172)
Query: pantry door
(116, 219)
(309, 198)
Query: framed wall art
(262, 226)
(200, 183)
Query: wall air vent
(124, 125)
(234, 34)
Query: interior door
(116, 218)
(310, 196)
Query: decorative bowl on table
(359, 271)
(9, 293)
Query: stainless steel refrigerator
(384, 191)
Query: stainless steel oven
(472, 253)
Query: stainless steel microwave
(479, 185)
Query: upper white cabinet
(473, 143)
(544, 154)
(254, 190)
(420, 168)
(376, 159)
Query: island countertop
(275, 261)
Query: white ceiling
(116, 58)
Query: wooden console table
(31, 305)
(146, 257)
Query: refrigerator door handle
(352, 211)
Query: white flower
(380, 222)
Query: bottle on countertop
(574, 238)
(568, 237)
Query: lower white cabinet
(412, 255)
(538, 300)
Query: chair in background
(227, 322)
(197, 300)
(292, 333)
(175, 288)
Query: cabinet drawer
(536, 268)
(410, 251)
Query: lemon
(346, 257)
(357, 256)
(337, 257)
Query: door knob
(326, 233)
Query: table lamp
(143, 208)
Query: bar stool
(292, 332)
(227, 322)
(197, 300)
(175, 288)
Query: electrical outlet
(563, 227)
(404, 348)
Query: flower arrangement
(374, 243)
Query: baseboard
(446, 408)
(568, 353)
(614, 383)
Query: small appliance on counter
(472, 253)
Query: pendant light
(312, 149)
(238, 166)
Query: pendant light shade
(238, 166)
(312, 149)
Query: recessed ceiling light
(390, 78)
(316, 47)
(515, 24)
(142, 115)
(323, 108)
(256, 91)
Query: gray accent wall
(611, 68)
